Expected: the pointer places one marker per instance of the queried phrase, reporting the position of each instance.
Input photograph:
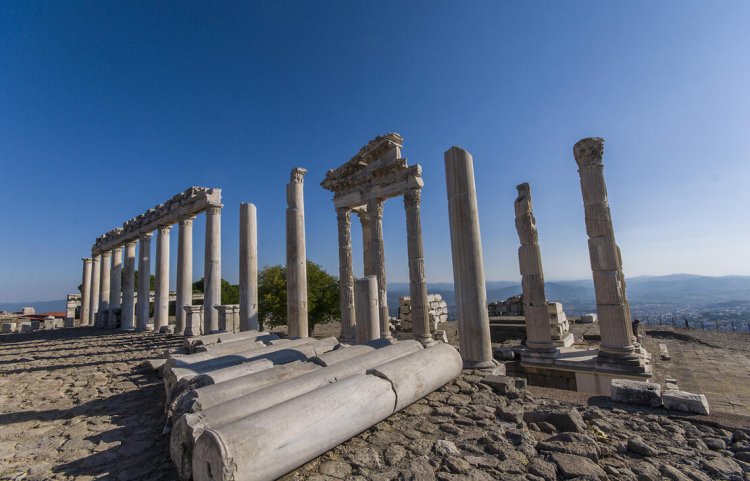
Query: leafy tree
(322, 295)
(230, 293)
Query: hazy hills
(672, 291)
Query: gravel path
(79, 404)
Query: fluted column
(144, 281)
(606, 262)
(95, 279)
(296, 257)
(364, 220)
(115, 286)
(538, 337)
(212, 270)
(468, 264)
(377, 262)
(127, 316)
(184, 272)
(417, 283)
(346, 276)
(248, 268)
(161, 302)
(86, 291)
(104, 279)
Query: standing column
(538, 337)
(367, 308)
(184, 272)
(95, 276)
(144, 281)
(346, 276)
(364, 220)
(127, 321)
(104, 278)
(377, 262)
(115, 285)
(417, 284)
(248, 268)
(606, 263)
(212, 270)
(468, 265)
(86, 291)
(161, 304)
(296, 257)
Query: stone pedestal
(161, 303)
(468, 265)
(184, 272)
(229, 317)
(127, 314)
(95, 286)
(617, 345)
(143, 312)
(367, 309)
(212, 271)
(248, 268)
(538, 337)
(86, 291)
(193, 320)
(346, 277)
(115, 283)
(296, 257)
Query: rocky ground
(80, 404)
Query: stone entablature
(190, 202)
(377, 172)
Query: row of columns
(102, 288)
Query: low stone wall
(437, 312)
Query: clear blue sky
(108, 108)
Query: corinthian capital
(187, 220)
(298, 175)
(589, 151)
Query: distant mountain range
(666, 292)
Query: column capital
(106, 253)
(412, 198)
(131, 243)
(117, 249)
(146, 236)
(214, 209)
(589, 152)
(165, 229)
(375, 208)
(187, 220)
(86, 260)
(297, 175)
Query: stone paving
(79, 404)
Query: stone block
(603, 253)
(598, 220)
(614, 314)
(684, 401)
(70, 322)
(36, 325)
(9, 327)
(24, 327)
(168, 329)
(530, 260)
(664, 352)
(636, 392)
(500, 384)
(589, 318)
(533, 290)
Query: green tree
(230, 293)
(322, 295)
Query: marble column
(115, 287)
(468, 264)
(144, 282)
(95, 279)
(212, 270)
(86, 291)
(364, 220)
(104, 279)
(161, 302)
(367, 308)
(417, 284)
(184, 272)
(617, 342)
(127, 316)
(296, 257)
(538, 337)
(377, 262)
(248, 268)
(346, 276)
